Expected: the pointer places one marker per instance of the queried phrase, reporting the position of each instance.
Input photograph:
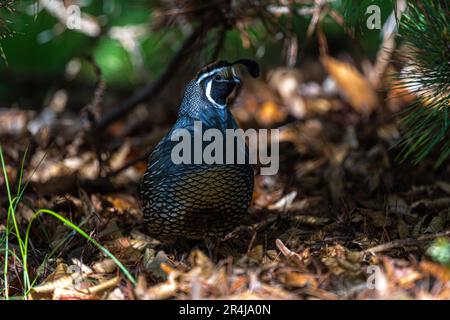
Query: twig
(130, 163)
(254, 228)
(337, 17)
(387, 47)
(288, 253)
(406, 242)
(323, 45)
(93, 109)
(152, 89)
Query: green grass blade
(85, 235)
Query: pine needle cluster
(425, 30)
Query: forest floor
(343, 219)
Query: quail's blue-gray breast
(198, 201)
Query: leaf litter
(341, 220)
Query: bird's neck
(221, 119)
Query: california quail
(198, 201)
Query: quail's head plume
(191, 200)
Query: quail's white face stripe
(206, 75)
(235, 79)
(233, 72)
(208, 95)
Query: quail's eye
(218, 77)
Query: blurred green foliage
(355, 14)
(425, 29)
(114, 61)
(439, 251)
(35, 50)
(41, 48)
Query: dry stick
(316, 17)
(406, 242)
(254, 228)
(130, 163)
(337, 17)
(387, 47)
(323, 45)
(156, 86)
(93, 109)
(294, 257)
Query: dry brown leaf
(309, 167)
(284, 203)
(13, 122)
(256, 253)
(105, 266)
(123, 243)
(168, 270)
(406, 277)
(201, 261)
(417, 229)
(335, 258)
(102, 286)
(296, 279)
(161, 291)
(218, 283)
(397, 205)
(398, 96)
(270, 113)
(311, 221)
(80, 267)
(121, 204)
(68, 294)
(267, 291)
(60, 270)
(319, 105)
(348, 265)
(379, 219)
(437, 223)
(238, 282)
(61, 282)
(294, 257)
(119, 158)
(402, 229)
(444, 186)
(440, 203)
(352, 84)
(116, 294)
(438, 271)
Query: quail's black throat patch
(221, 89)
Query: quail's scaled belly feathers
(206, 201)
(198, 201)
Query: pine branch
(6, 6)
(425, 31)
